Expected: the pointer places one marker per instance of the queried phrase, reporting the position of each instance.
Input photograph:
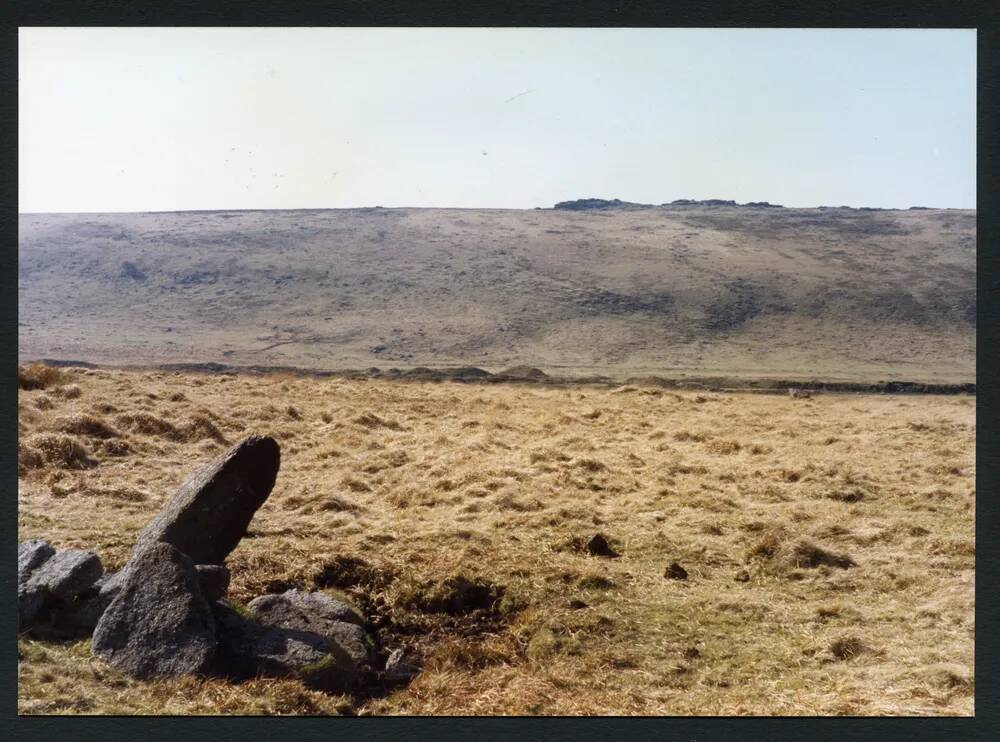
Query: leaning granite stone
(67, 573)
(159, 624)
(214, 580)
(317, 613)
(248, 649)
(209, 513)
(30, 556)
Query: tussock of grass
(57, 450)
(39, 376)
(847, 648)
(806, 554)
(85, 425)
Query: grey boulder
(317, 613)
(50, 577)
(67, 573)
(30, 599)
(158, 624)
(30, 556)
(209, 513)
(250, 649)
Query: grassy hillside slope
(835, 294)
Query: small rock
(742, 576)
(692, 653)
(214, 580)
(209, 513)
(576, 604)
(67, 573)
(30, 556)
(158, 624)
(599, 546)
(675, 572)
(248, 649)
(398, 671)
(317, 613)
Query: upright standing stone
(210, 512)
(159, 624)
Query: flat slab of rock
(30, 556)
(67, 573)
(317, 613)
(249, 649)
(158, 624)
(209, 513)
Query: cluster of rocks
(165, 614)
(588, 204)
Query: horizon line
(625, 207)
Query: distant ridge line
(531, 375)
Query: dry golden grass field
(828, 542)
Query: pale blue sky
(164, 119)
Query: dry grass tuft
(57, 450)
(145, 423)
(38, 376)
(847, 648)
(806, 554)
(455, 595)
(85, 425)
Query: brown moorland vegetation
(827, 294)
(762, 554)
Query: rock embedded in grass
(250, 649)
(317, 613)
(159, 624)
(397, 670)
(210, 512)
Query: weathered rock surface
(210, 512)
(30, 599)
(67, 573)
(158, 624)
(317, 613)
(398, 671)
(86, 610)
(248, 649)
(30, 556)
(214, 580)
